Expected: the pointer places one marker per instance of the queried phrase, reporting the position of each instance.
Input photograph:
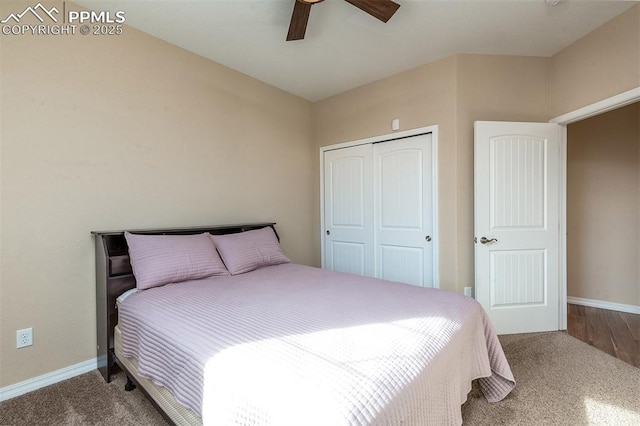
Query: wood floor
(616, 333)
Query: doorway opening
(615, 102)
(603, 231)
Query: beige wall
(602, 64)
(603, 207)
(128, 132)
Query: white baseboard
(612, 306)
(30, 385)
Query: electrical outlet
(24, 337)
(468, 291)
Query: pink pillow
(247, 251)
(162, 259)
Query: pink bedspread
(295, 345)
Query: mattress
(290, 344)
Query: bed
(288, 344)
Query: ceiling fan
(381, 9)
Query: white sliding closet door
(348, 197)
(403, 210)
(378, 210)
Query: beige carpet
(83, 400)
(561, 381)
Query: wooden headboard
(114, 276)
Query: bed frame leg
(130, 385)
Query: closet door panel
(401, 264)
(348, 200)
(400, 195)
(348, 257)
(403, 210)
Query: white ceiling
(345, 48)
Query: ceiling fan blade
(381, 9)
(299, 19)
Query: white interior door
(348, 197)
(404, 210)
(517, 224)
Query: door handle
(484, 240)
